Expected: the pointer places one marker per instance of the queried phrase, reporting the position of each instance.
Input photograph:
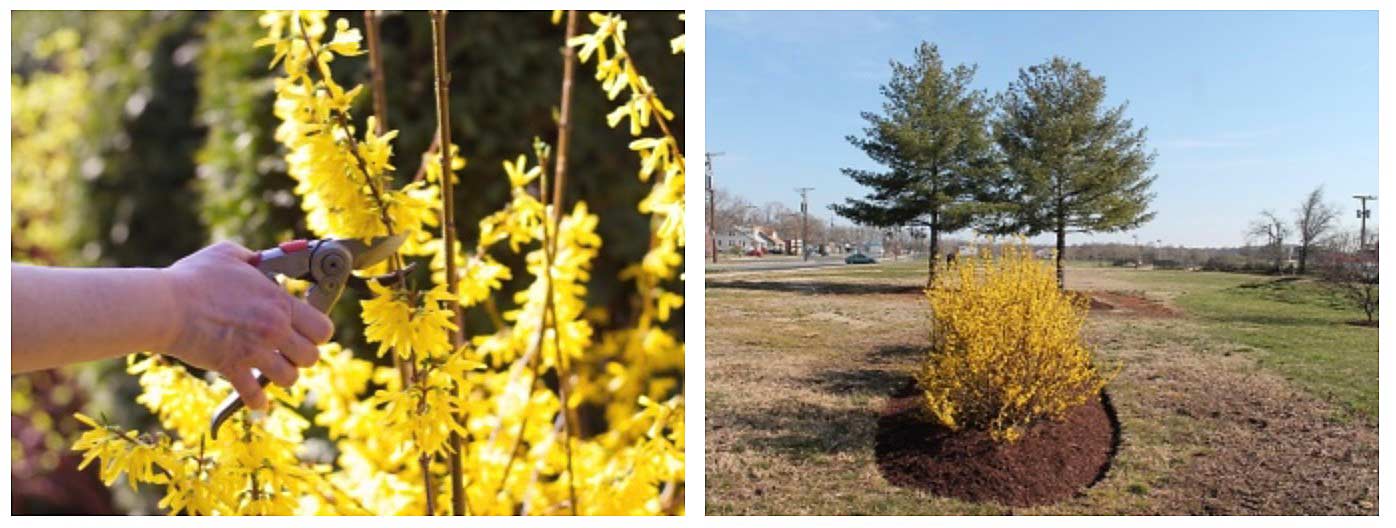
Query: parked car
(858, 258)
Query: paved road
(725, 264)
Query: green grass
(1299, 326)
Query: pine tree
(1073, 165)
(931, 137)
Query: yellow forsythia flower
(501, 393)
(1006, 346)
(395, 324)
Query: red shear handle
(291, 246)
(294, 245)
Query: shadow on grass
(899, 354)
(1252, 318)
(793, 427)
(857, 381)
(816, 288)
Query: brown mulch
(1124, 303)
(1052, 461)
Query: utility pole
(804, 220)
(712, 202)
(1364, 214)
(1138, 251)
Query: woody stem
(560, 179)
(443, 119)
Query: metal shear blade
(378, 250)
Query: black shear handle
(232, 404)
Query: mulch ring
(1052, 461)
(1126, 303)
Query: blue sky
(1246, 110)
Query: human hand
(229, 318)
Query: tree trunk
(1370, 306)
(934, 251)
(1061, 233)
(1303, 258)
(1061, 253)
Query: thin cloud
(1197, 143)
(1230, 140)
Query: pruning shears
(326, 264)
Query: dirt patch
(1264, 447)
(1052, 461)
(1125, 303)
(835, 318)
(1223, 436)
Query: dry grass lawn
(798, 363)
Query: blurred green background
(139, 137)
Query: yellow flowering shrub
(485, 424)
(44, 173)
(1006, 346)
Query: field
(1238, 394)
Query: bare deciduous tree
(1273, 231)
(1313, 219)
(730, 211)
(773, 211)
(1352, 272)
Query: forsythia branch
(443, 119)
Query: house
(733, 240)
(768, 239)
(741, 239)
